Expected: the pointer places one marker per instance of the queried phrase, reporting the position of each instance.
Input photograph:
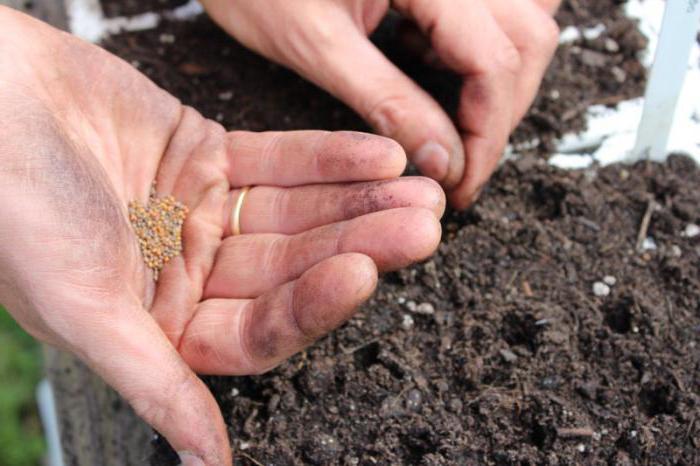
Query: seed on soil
(600, 289)
(158, 226)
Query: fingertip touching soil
(558, 323)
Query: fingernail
(432, 160)
(188, 459)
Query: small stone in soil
(649, 244)
(414, 400)
(323, 449)
(611, 45)
(600, 289)
(508, 356)
(166, 38)
(619, 74)
(407, 322)
(676, 251)
(425, 308)
(226, 96)
(691, 231)
(610, 280)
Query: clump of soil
(497, 350)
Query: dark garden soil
(497, 350)
(113, 8)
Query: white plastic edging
(678, 35)
(49, 420)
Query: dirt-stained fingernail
(432, 160)
(189, 459)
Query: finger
(350, 67)
(536, 35)
(549, 6)
(269, 209)
(246, 337)
(469, 40)
(305, 157)
(249, 265)
(413, 40)
(132, 354)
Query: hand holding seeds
(85, 136)
(501, 48)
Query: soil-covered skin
(497, 350)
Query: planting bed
(497, 350)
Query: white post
(678, 33)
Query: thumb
(131, 353)
(350, 67)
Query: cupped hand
(501, 48)
(84, 134)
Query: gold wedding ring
(236, 215)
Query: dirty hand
(500, 47)
(83, 134)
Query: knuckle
(270, 151)
(388, 114)
(507, 58)
(274, 257)
(545, 34)
(281, 207)
(311, 29)
(252, 351)
(157, 408)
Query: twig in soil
(574, 432)
(356, 348)
(587, 223)
(644, 226)
(250, 458)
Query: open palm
(87, 134)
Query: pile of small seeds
(158, 226)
